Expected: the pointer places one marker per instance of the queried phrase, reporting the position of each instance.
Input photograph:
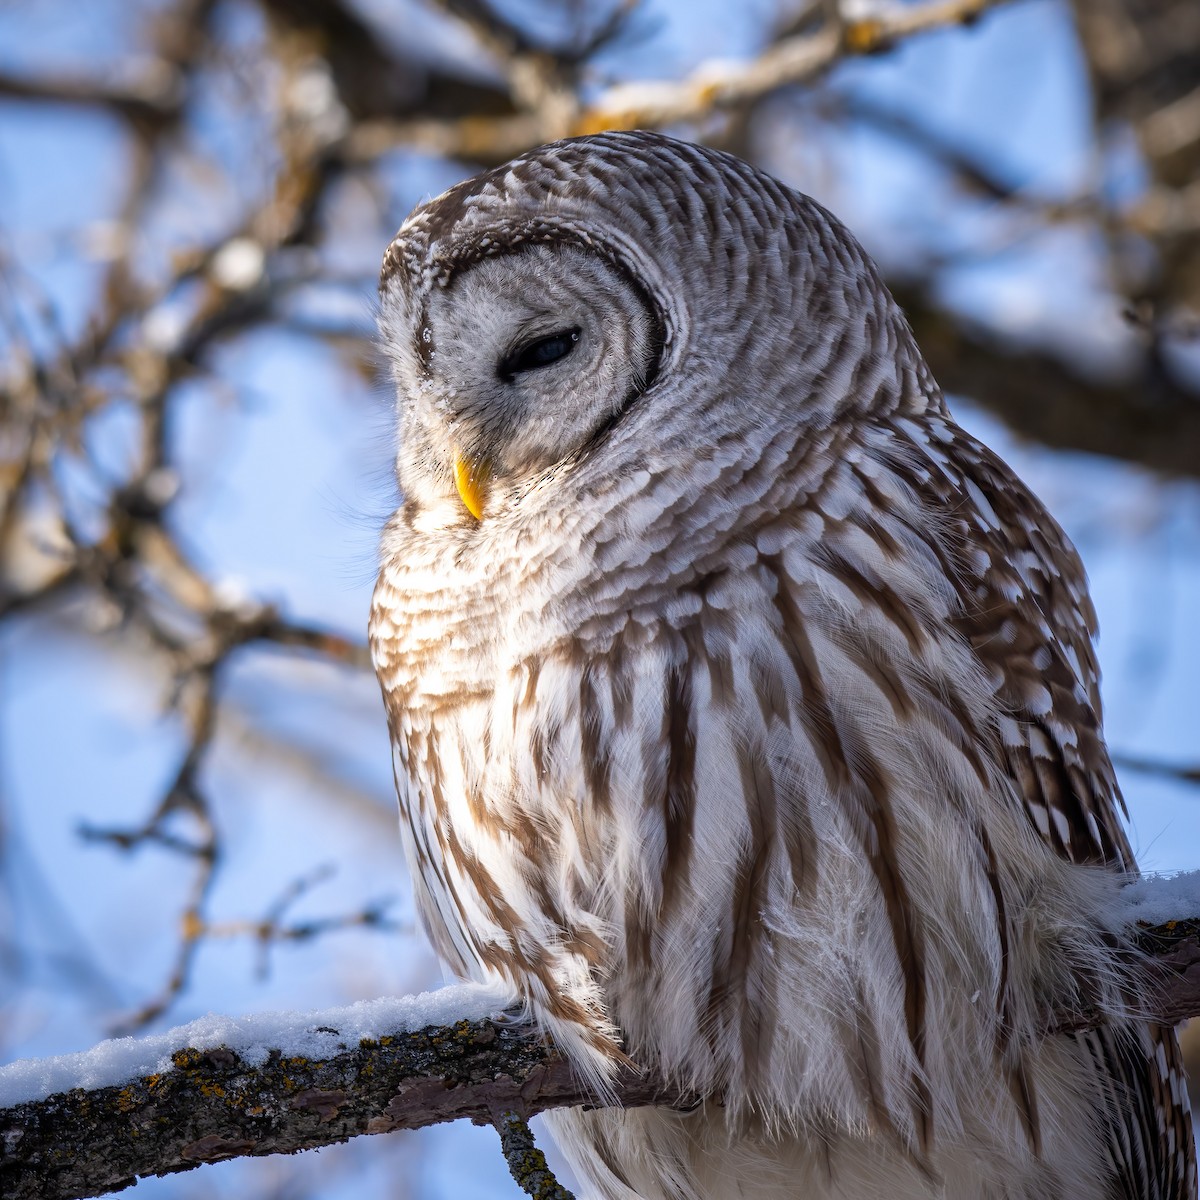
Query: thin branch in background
(271, 930)
(184, 795)
(1152, 766)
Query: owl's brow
(517, 236)
(513, 239)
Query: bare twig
(272, 930)
(526, 1162)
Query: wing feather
(1027, 615)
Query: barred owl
(744, 708)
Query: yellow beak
(471, 479)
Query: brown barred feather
(752, 733)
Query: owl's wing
(1027, 615)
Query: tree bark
(213, 1105)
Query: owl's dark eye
(539, 353)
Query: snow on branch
(86, 1124)
(91, 1123)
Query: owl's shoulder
(1025, 612)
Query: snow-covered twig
(91, 1123)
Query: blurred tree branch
(1150, 420)
(1150, 766)
(550, 105)
(214, 1106)
(1144, 59)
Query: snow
(306, 1034)
(1157, 899)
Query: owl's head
(541, 312)
(521, 360)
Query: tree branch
(795, 59)
(213, 1105)
(215, 1102)
(1151, 418)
